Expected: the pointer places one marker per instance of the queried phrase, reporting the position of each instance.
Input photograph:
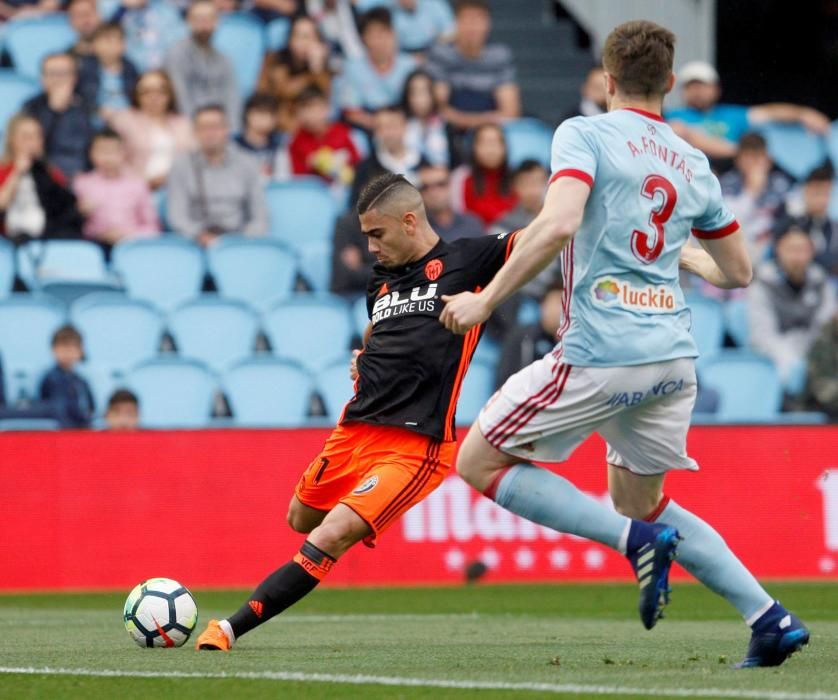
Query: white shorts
(545, 411)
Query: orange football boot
(213, 638)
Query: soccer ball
(160, 613)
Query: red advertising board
(98, 511)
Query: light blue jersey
(649, 189)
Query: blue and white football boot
(650, 551)
(775, 637)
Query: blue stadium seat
(118, 332)
(313, 330)
(488, 351)
(14, 91)
(795, 149)
(316, 264)
(40, 262)
(266, 391)
(301, 210)
(7, 268)
(707, 325)
(736, 321)
(173, 393)
(103, 381)
(27, 323)
(335, 387)
(748, 385)
(218, 332)
(241, 38)
(478, 387)
(529, 312)
(528, 139)
(276, 34)
(28, 41)
(359, 313)
(166, 271)
(796, 380)
(256, 271)
(28, 425)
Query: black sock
(282, 588)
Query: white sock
(228, 630)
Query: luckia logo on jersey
(610, 291)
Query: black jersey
(412, 368)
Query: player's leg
(641, 442)
(544, 412)
(303, 518)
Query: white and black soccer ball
(160, 613)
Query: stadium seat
(103, 381)
(707, 325)
(257, 271)
(359, 313)
(478, 387)
(7, 268)
(528, 139)
(28, 425)
(488, 351)
(173, 393)
(748, 385)
(118, 332)
(736, 321)
(795, 149)
(314, 330)
(335, 387)
(316, 264)
(529, 312)
(795, 382)
(40, 262)
(166, 271)
(28, 41)
(14, 91)
(276, 34)
(268, 392)
(218, 332)
(27, 322)
(301, 210)
(241, 38)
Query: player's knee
(334, 537)
(297, 522)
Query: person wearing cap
(724, 123)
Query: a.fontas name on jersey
(422, 299)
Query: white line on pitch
(559, 689)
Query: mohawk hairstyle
(380, 189)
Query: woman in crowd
(34, 199)
(426, 129)
(485, 186)
(152, 130)
(301, 64)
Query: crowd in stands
(144, 127)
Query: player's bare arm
(535, 248)
(722, 262)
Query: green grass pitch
(565, 641)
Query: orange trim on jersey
(573, 172)
(469, 345)
(381, 292)
(510, 244)
(718, 233)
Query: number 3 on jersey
(640, 240)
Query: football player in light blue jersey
(625, 195)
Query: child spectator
(259, 135)
(200, 73)
(65, 392)
(217, 189)
(106, 78)
(377, 78)
(321, 147)
(123, 412)
(116, 202)
(34, 199)
(289, 71)
(62, 113)
(486, 190)
(152, 130)
(151, 27)
(426, 129)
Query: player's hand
(463, 312)
(353, 365)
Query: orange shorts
(378, 471)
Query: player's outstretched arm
(535, 247)
(723, 262)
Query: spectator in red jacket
(486, 189)
(321, 147)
